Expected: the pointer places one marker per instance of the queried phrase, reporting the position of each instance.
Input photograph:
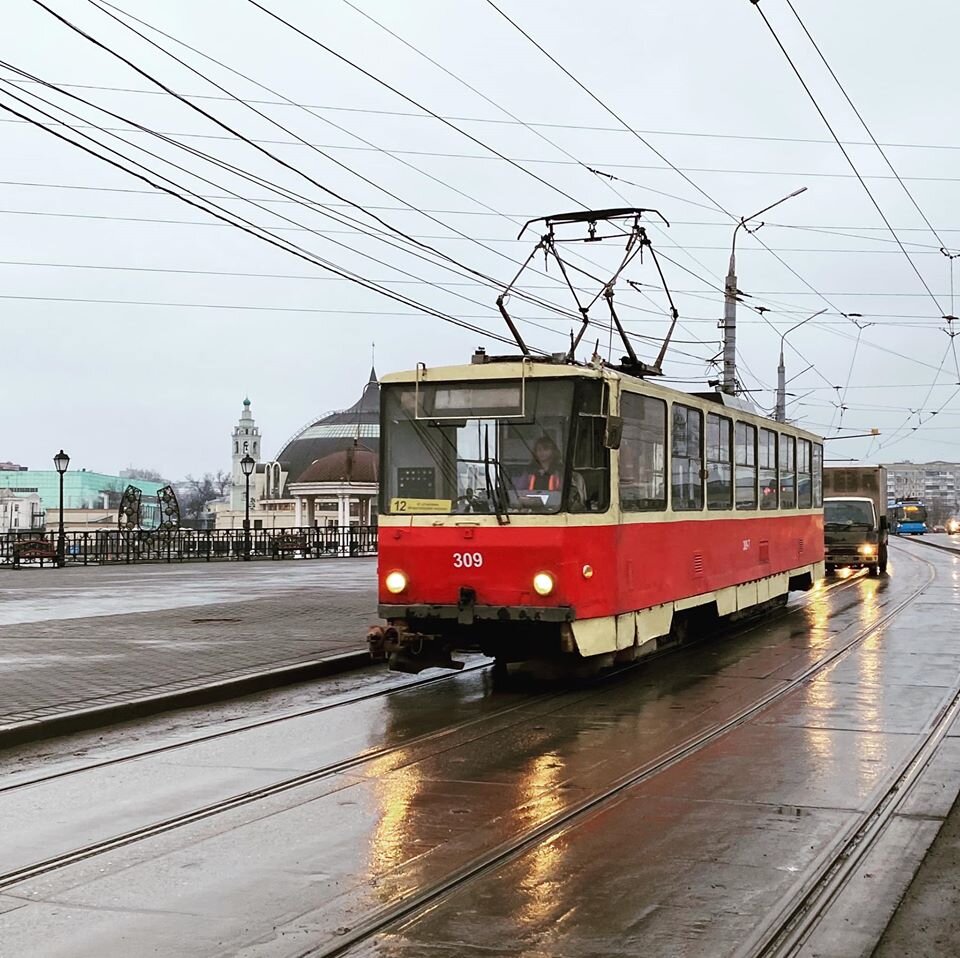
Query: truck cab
(855, 535)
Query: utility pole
(729, 326)
(780, 414)
(729, 381)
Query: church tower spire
(244, 442)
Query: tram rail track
(504, 853)
(737, 629)
(801, 914)
(237, 800)
(246, 727)
(801, 910)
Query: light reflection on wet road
(683, 863)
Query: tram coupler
(430, 657)
(383, 641)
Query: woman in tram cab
(544, 474)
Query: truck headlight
(867, 550)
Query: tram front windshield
(494, 447)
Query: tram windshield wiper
(496, 493)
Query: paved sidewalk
(79, 639)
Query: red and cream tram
(538, 510)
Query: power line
(211, 117)
(363, 228)
(233, 98)
(255, 227)
(697, 134)
(843, 150)
(249, 79)
(827, 229)
(420, 106)
(604, 106)
(287, 219)
(414, 102)
(509, 240)
(264, 237)
(863, 123)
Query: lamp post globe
(247, 464)
(61, 462)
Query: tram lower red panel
(634, 565)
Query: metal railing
(108, 546)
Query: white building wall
(19, 513)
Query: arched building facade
(326, 474)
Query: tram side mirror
(613, 432)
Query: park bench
(33, 549)
(284, 544)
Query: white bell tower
(245, 442)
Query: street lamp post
(781, 411)
(61, 461)
(729, 381)
(247, 464)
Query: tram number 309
(467, 560)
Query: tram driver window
(589, 489)
(642, 476)
(746, 463)
(768, 469)
(788, 473)
(719, 462)
(804, 477)
(686, 460)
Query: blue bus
(909, 518)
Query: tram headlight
(396, 581)
(543, 583)
(867, 550)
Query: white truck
(855, 523)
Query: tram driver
(544, 475)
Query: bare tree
(202, 491)
(137, 472)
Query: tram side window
(642, 479)
(746, 465)
(788, 473)
(804, 477)
(719, 462)
(817, 475)
(768, 469)
(686, 460)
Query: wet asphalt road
(37, 595)
(424, 781)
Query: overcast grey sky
(202, 314)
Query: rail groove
(507, 851)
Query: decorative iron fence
(108, 546)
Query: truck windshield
(848, 512)
(495, 447)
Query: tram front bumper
(466, 612)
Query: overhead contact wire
(843, 150)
